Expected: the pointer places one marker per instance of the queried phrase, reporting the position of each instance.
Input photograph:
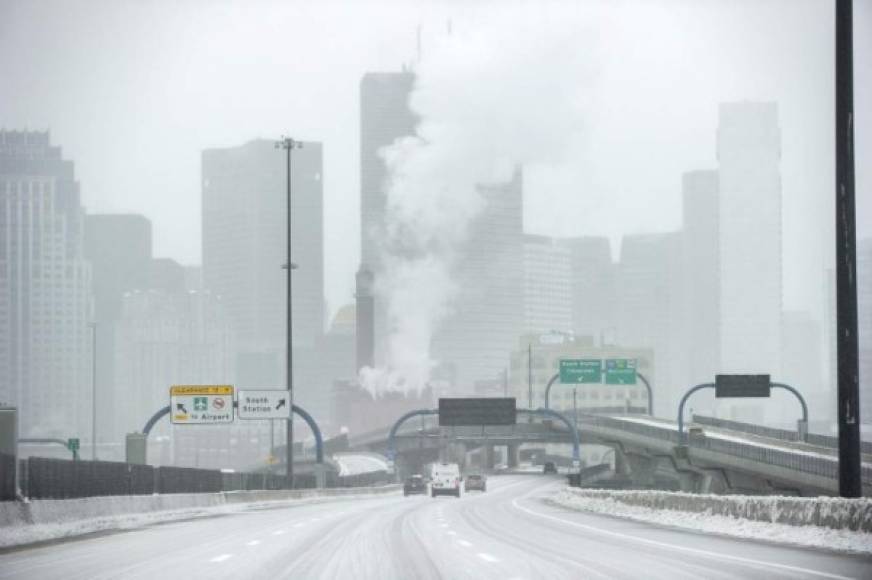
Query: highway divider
(829, 512)
(17, 514)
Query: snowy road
(508, 533)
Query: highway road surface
(507, 533)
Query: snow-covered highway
(509, 532)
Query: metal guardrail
(816, 465)
(775, 433)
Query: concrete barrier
(62, 511)
(829, 512)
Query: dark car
(549, 467)
(475, 482)
(415, 485)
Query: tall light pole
(289, 145)
(93, 327)
(847, 345)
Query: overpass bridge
(648, 452)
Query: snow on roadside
(17, 535)
(806, 536)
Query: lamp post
(93, 327)
(289, 145)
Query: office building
(592, 283)
(701, 272)
(650, 302)
(244, 205)
(864, 324)
(118, 246)
(749, 218)
(547, 291)
(385, 116)
(488, 311)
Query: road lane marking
(279, 532)
(253, 543)
(677, 548)
(221, 558)
(487, 557)
(464, 543)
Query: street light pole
(847, 346)
(289, 145)
(93, 327)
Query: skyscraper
(701, 284)
(45, 289)
(864, 325)
(547, 292)
(592, 286)
(385, 116)
(118, 246)
(749, 189)
(649, 297)
(488, 316)
(245, 245)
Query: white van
(445, 479)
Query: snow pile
(831, 523)
(42, 520)
(357, 463)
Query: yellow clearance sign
(201, 404)
(201, 390)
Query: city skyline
(166, 188)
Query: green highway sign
(621, 371)
(580, 371)
(73, 444)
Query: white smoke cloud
(491, 96)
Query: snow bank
(824, 522)
(40, 520)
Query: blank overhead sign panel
(476, 411)
(742, 386)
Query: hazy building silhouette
(488, 311)
(547, 289)
(649, 306)
(592, 286)
(167, 338)
(701, 284)
(749, 212)
(802, 355)
(244, 203)
(167, 275)
(118, 246)
(864, 324)
(364, 320)
(385, 116)
(45, 289)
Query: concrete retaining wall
(830, 512)
(59, 511)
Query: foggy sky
(133, 91)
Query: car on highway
(475, 482)
(445, 479)
(549, 467)
(415, 485)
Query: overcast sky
(133, 91)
